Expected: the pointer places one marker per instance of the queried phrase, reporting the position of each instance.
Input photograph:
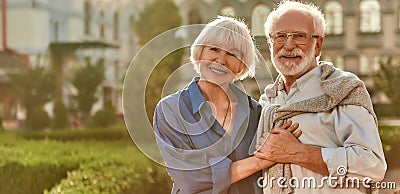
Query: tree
(105, 117)
(60, 120)
(86, 80)
(1, 124)
(34, 87)
(387, 80)
(156, 18)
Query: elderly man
(339, 150)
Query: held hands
(280, 144)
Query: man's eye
(280, 35)
(300, 35)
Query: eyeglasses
(299, 38)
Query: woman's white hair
(226, 31)
(309, 8)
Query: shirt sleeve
(190, 169)
(361, 153)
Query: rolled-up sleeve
(361, 152)
(221, 174)
(214, 179)
(187, 168)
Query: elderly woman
(205, 131)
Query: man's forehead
(294, 20)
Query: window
(398, 17)
(338, 61)
(334, 17)
(363, 65)
(131, 29)
(56, 31)
(375, 65)
(102, 27)
(370, 17)
(227, 11)
(258, 18)
(86, 20)
(116, 76)
(116, 26)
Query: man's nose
(290, 43)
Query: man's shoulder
(330, 71)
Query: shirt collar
(241, 95)
(198, 100)
(196, 97)
(313, 74)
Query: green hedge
(42, 164)
(113, 133)
(17, 178)
(386, 110)
(86, 161)
(390, 136)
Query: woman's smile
(217, 71)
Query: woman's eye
(232, 54)
(213, 48)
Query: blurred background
(62, 68)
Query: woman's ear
(242, 69)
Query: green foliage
(91, 166)
(34, 87)
(387, 80)
(386, 110)
(156, 18)
(114, 133)
(390, 136)
(105, 117)
(49, 174)
(60, 120)
(37, 119)
(1, 124)
(86, 80)
(158, 78)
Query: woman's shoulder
(171, 98)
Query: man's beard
(290, 68)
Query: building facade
(359, 33)
(61, 34)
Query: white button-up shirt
(347, 134)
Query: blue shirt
(197, 151)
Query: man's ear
(318, 46)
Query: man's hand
(280, 144)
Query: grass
(77, 162)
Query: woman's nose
(221, 59)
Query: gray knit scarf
(339, 88)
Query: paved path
(389, 121)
